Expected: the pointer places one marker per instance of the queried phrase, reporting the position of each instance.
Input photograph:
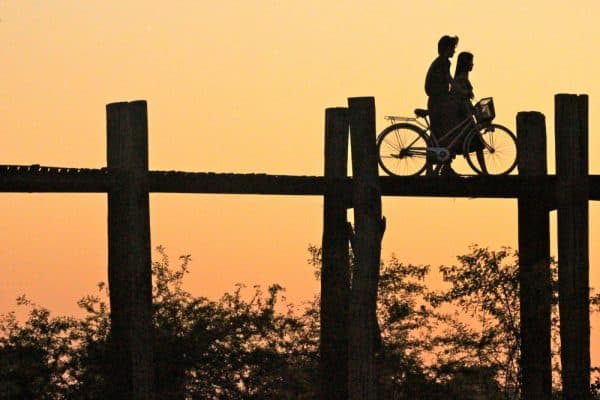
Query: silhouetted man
(437, 87)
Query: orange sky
(241, 86)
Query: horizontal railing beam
(38, 179)
(31, 179)
(198, 182)
(474, 186)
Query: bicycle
(406, 147)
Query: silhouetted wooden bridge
(347, 315)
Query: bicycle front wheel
(402, 150)
(492, 151)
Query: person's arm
(462, 87)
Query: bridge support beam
(129, 260)
(571, 122)
(366, 244)
(335, 270)
(534, 261)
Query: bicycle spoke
(499, 152)
(399, 140)
(394, 146)
(402, 150)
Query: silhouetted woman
(462, 92)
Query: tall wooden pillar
(534, 256)
(368, 232)
(335, 271)
(129, 259)
(571, 122)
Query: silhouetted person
(461, 87)
(462, 93)
(437, 87)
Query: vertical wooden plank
(571, 113)
(534, 255)
(369, 227)
(129, 258)
(335, 271)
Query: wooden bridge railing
(43, 179)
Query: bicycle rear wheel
(402, 149)
(497, 150)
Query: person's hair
(446, 42)
(463, 62)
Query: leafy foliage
(482, 327)
(35, 357)
(458, 342)
(240, 347)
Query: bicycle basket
(484, 110)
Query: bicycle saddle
(421, 112)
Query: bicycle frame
(465, 127)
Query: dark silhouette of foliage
(460, 342)
(35, 357)
(243, 346)
(482, 325)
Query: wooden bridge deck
(43, 179)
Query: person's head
(447, 45)
(464, 62)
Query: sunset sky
(242, 86)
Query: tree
(482, 325)
(461, 342)
(484, 288)
(409, 327)
(414, 335)
(233, 348)
(239, 347)
(35, 356)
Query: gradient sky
(241, 86)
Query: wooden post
(335, 271)
(366, 243)
(534, 256)
(129, 258)
(571, 113)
